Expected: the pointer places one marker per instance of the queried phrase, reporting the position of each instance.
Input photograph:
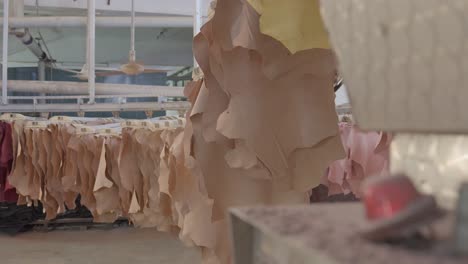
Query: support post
(91, 50)
(197, 23)
(41, 73)
(41, 70)
(6, 9)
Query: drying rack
(111, 129)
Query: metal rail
(81, 88)
(97, 107)
(344, 109)
(38, 104)
(64, 97)
(124, 21)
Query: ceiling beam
(168, 7)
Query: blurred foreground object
(437, 164)
(405, 63)
(461, 226)
(325, 234)
(394, 207)
(295, 23)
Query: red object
(395, 208)
(386, 197)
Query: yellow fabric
(295, 23)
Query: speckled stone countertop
(332, 230)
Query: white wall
(341, 96)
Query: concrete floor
(118, 246)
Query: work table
(326, 233)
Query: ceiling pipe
(117, 21)
(81, 88)
(32, 45)
(23, 34)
